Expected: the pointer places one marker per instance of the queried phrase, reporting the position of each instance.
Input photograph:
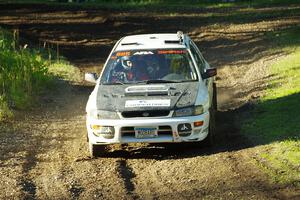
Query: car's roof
(150, 41)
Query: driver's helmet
(126, 62)
(152, 64)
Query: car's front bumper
(198, 133)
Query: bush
(24, 73)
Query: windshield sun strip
(180, 51)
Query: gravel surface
(43, 152)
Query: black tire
(214, 99)
(96, 150)
(209, 141)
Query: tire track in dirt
(47, 142)
(75, 187)
(75, 191)
(69, 122)
(82, 176)
(29, 188)
(27, 184)
(127, 174)
(57, 165)
(242, 170)
(210, 177)
(51, 172)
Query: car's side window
(198, 59)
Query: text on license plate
(145, 132)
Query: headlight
(103, 114)
(189, 111)
(198, 110)
(107, 132)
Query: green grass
(22, 72)
(276, 118)
(65, 71)
(278, 112)
(281, 162)
(25, 74)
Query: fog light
(96, 127)
(198, 123)
(108, 132)
(197, 131)
(184, 129)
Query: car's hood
(151, 96)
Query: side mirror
(91, 77)
(209, 73)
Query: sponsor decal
(171, 51)
(184, 127)
(143, 53)
(147, 103)
(123, 53)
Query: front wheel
(96, 150)
(210, 139)
(214, 99)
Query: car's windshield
(149, 66)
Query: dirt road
(43, 153)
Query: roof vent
(131, 43)
(172, 41)
(180, 36)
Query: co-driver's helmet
(126, 62)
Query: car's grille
(162, 131)
(147, 113)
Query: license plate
(145, 132)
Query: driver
(153, 65)
(140, 68)
(122, 71)
(130, 69)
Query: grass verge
(25, 74)
(276, 118)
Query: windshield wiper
(163, 81)
(114, 83)
(157, 81)
(148, 82)
(182, 81)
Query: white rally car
(154, 88)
